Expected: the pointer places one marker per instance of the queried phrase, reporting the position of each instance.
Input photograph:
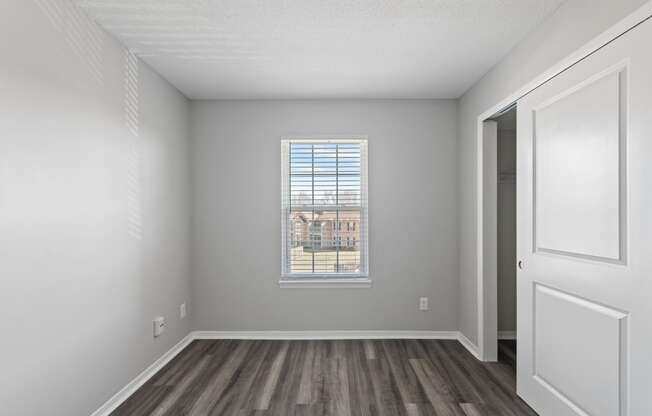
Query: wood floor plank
(180, 388)
(314, 409)
(403, 373)
(217, 353)
(470, 409)
(494, 394)
(304, 395)
(176, 369)
(234, 397)
(458, 376)
(360, 383)
(287, 389)
(435, 388)
(426, 351)
(271, 378)
(339, 385)
(328, 378)
(143, 401)
(386, 391)
(311, 389)
(370, 351)
(507, 352)
(218, 384)
(412, 409)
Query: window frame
(325, 280)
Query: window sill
(327, 283)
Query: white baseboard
(471, 347)
(506, 334)
(148, 373)
(142, 378)
(307, 335)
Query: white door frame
(488, 240)
(486, 296)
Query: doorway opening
(506, 236)
(497, 283)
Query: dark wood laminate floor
(507, 353)
(342, 378)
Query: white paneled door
(585, 235)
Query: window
(324, 184)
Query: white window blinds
(324, 208)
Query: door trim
(486, 299)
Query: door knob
(520, 264)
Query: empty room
(325, 207)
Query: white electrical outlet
(182, 310)
(159, 326)
(423, 304)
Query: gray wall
(236, 245)
(575, 23)
(93, 217)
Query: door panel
(574, 377)
(576, 146)
(584, 214)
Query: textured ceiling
(320, 48)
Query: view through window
(325, 207)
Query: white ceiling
(320, 48)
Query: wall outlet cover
(159, 326)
